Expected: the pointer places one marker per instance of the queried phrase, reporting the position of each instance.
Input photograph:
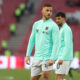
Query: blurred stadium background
(16, 20)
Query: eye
(50, 10)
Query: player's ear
(64, 19)
(42, 10)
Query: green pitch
(23, 74)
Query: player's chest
(43, 29)
(61, 35)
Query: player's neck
(45, 18)
(62, 24)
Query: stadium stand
(7, 17)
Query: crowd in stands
(23, 8)
(73, 2)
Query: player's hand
(27, 60)
(60, 62)
(50, 62)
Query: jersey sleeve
(67, 41)
(31, 41)
(55, 38)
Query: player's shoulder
(67, 28)
(37, 22)
(53, 22)
(54, 25)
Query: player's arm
(55, 38)
(30, 44)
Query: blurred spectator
(22, 7)
(70, 3)
(1, 2)
(4, 44)
(7, 53)
(30, 7)
(17, 14)
(73, 2)
(73, 18)
(12, 29)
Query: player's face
(47, 12)
(59, 20)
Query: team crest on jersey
(46, 28)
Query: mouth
(48, 15)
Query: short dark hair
(47, 5)
(61, 14)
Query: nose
(49, 12)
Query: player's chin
(48, 17)
(58, 23)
